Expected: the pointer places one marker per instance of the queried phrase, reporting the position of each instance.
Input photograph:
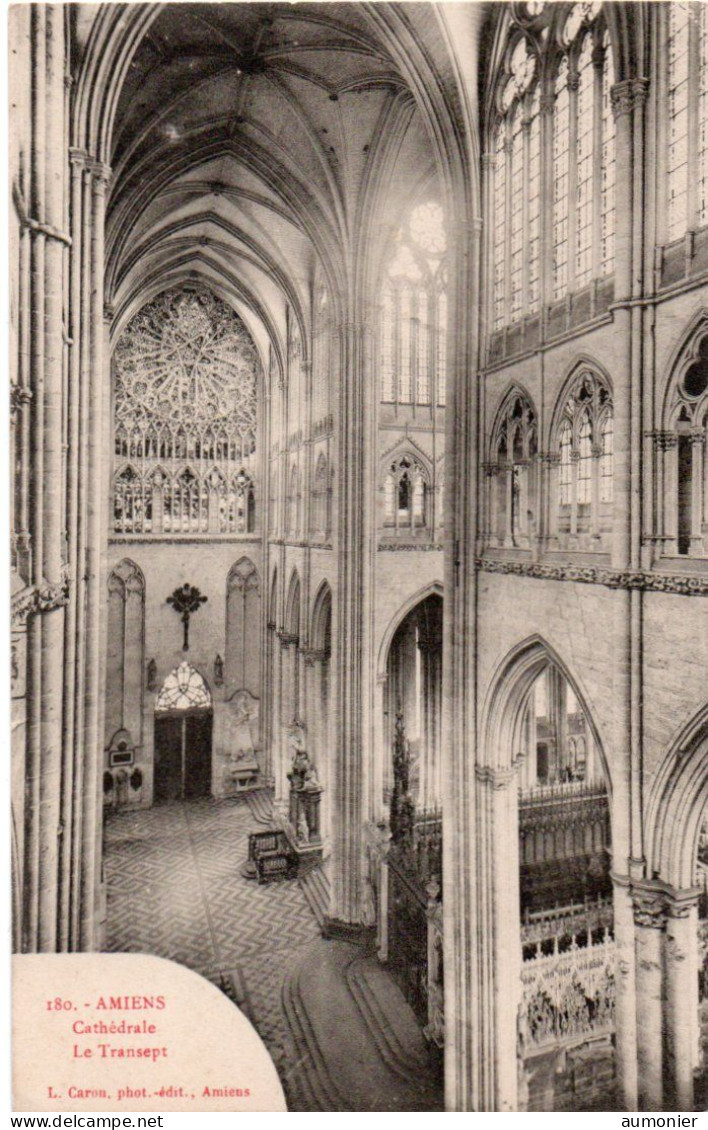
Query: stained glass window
(561, 170)
(185, 408)
(499, 237)
(607, 174)
(533, 189)
(183, 689)
(678, 118)
(576, 138)
(687, 117)
(584, 193)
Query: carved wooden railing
(563, 923)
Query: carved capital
(313, 655)
(496, 777)
(649, 905)
(663, 441)
(628, 94)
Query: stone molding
(424, 547)
(678, 583)
(38, 598)
(654, 903)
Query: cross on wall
(185, 601)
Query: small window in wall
(405, 491)
(584, 462)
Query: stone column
(353, 666)
(499, 843)
(625, 989)
(650, 925)
(698, 441)
(45, 747)
(681, 997)
(668, 448)
(95, 566)
(467, 1052)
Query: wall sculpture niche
(125, 660)
(243, 629)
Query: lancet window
(584, 465)
(413, 316)
(185, 417)
(512, 477)
(406, 488)
(551, 124)
(685, 30)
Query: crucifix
(186, 600)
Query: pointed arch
(581, 364)
(320, 632)
(677, 803)
(243, 624)
(434, 588)
(507, 696)
(292, 606)
(125, 650)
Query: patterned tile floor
(174, 889)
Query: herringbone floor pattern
(175, 890)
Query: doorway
(183, 737)
(183, 756)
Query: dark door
(197, 762)
(168, 757)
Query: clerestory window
(552, 125)
(413, 315)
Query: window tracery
(185, 416)
(584, 461)
(183, 689)
(683, 453)
(406, 488)
(413, 316)
(552, 123)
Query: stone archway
(669, 910)
(537, 819)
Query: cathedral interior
(359, 408)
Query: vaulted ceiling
(257, 145)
